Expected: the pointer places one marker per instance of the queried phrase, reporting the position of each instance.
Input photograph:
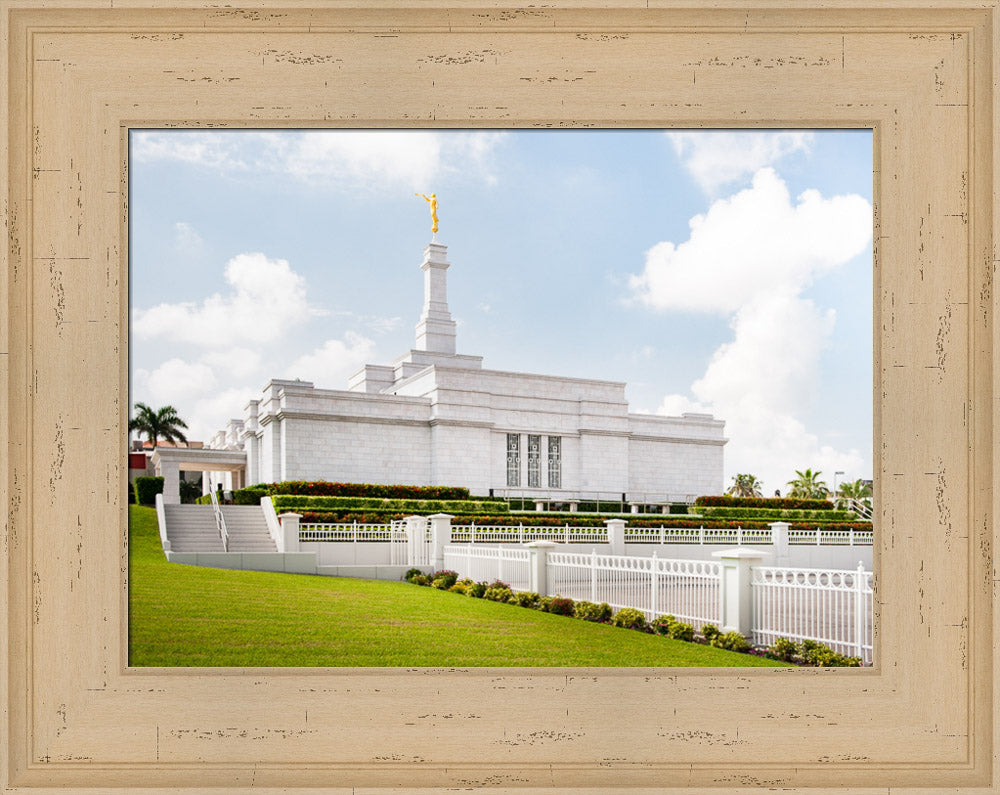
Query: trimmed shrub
(672, 628)
(498, 592)
(526, 599)
(251, 495)
(780, 503)
(733, 641)
(559, 605)
(784, 649)
(629, 618)
(476, 590)
(326, 488)
(421, 579)
(444, 579)
(146, 489)
(710, 631)
(131, 496)
(459, 587)
(589, 611)
(777, 514)
(408, 506)
(411, 573)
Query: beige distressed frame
(77, 74)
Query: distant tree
(189, 490)
(807, 486)
(854, 490)
(745, 485)
(162, 423)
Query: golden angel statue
(434, 209)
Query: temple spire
(436, 329)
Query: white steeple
(436, 329)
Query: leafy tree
(745, 485)
(807, 486)
(163, 424)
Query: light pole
(836, 474)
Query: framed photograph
(78, 78)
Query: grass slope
(196, 616)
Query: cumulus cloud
(747, 244)
(336, 159)
(749, 258)
(267, 300)
(715, 158)
(333, 362)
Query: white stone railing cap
(544, 544)
(742, 552)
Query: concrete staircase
(247, 529)
(191, 528)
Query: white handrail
(220, 522)
(161, 520)
(273, 525)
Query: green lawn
(192, 615)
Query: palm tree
(745, 485)
(854, 490)
(808, 486)
(160, 424)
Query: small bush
(251, 495)
(710, 631)
(476, 590)
(526, 599)
(459, 587)
(784, 649)
(499, 593)
(733, 641)
(629, 618)
(559, 605)
(814, 653)
(146, 489)
(672, 628)
(411, 573)
(444, 579)
(589, 611)
(421, 579)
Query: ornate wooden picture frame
(78, 75)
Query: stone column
(735, 594)
(616, 535)
(440, 538)
(779, 538)
(436, 329)
(538, 573)
(289, 532)
(171, 481)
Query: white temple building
(437, 417)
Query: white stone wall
(673, 470)
(358, 451)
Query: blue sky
(721, 271)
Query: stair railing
(860, 508)
(220, 521)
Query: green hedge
(300, 503)
(774, 503)
(146, 489)
(773, 515)
(327, 488)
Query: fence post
(616, 535)
(566, 534)
(538, 580)
(440, 538)
(850, 535)
(593, 575)
(289, 532)
(817, 537)
(662, 531)
(735, 593)
(859, 609)
(779, 539)
(701, 535)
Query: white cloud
(750, 257)
(330, 365)
(173, 383)
(719, 157)
(747, 244)
(267, 300)
(236, 361)
(187, 241)
(343, 160)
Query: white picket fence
(568, 534)
(686, 589)
(485, 564)
(831, 606)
